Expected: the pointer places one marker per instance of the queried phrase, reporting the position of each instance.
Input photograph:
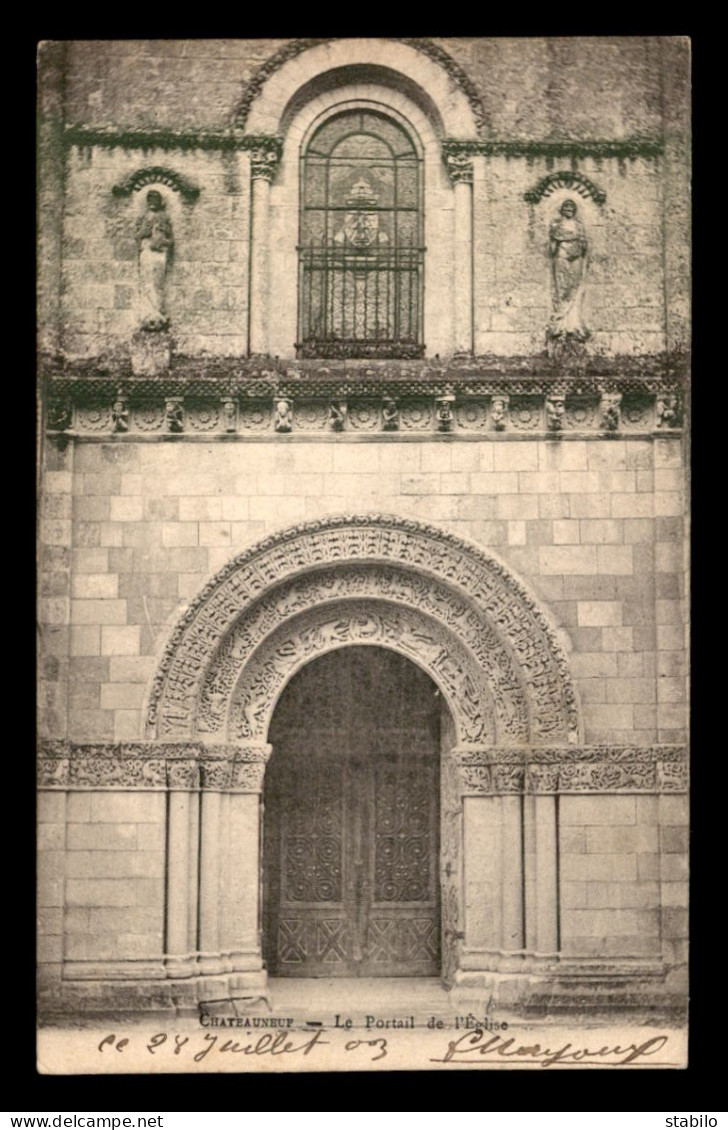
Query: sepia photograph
(363, 554)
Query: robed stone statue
(155, 242)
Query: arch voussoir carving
(480, 632)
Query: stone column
(215, 779)
(182, 780)
(263, 163)
(460, 168)
(493, 869)
(512, 848)
(547, 893)
(482, 864)
(241, 938)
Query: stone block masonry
(160, 520)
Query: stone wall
(555, 92)
(593, 527)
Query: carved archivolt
(382, 605)
(361, 622)
(489, 632)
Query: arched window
(361, 253)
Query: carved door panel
(351, 883)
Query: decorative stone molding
(438, 562)
(588, 769)
(419, 404)
(573, 181)
(194, 375)
(142, 765)
(155, 174)
(628, 148)
(485, 771)
(621, 149)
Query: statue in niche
(155, 240)
(568, 250)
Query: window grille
(361, 256)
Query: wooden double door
(351, 820)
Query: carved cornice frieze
(146, 765)
(621, 149)
(458, 400)
(87, 137)
(569, 769)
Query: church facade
(363, 387)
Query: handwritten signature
(482, 1044)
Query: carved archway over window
(278, 79)
(483, 639)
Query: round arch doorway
(351, 884)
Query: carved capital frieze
(589, 769)
(479, 770)
(144, 765)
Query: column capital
(459, 167)
(264, 161)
